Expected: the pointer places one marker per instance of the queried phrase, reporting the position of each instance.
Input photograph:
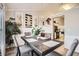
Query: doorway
(58, 25)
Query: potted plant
(11, 28)
(36, 30)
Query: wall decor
(48, 20)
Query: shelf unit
(28, 21)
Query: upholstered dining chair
(22, 49)
(72, 48)
(69, 52)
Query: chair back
(16, 45)
(72, 48)
(19, 40)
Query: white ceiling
(32, 6)
(40, 7)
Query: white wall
(71, 26)
(37, 18)
(15, 13)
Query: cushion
(27, 33)
(42, 34)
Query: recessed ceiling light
(67, 7)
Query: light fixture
(67, 7)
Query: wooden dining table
(41, 47)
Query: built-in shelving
(28, 20)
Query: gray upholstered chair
(72, 48)
(69, 52)
(22, 50)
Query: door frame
(53, 27)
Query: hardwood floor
(61, 50)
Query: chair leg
(18, 52)
(32, 52)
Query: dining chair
(69, 52)
(72, 48)
(22, 50)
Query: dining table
(41, 47)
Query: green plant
(36, 30)
(11, 28)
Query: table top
(42, 47)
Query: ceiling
(32, 6)
(40, 7)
